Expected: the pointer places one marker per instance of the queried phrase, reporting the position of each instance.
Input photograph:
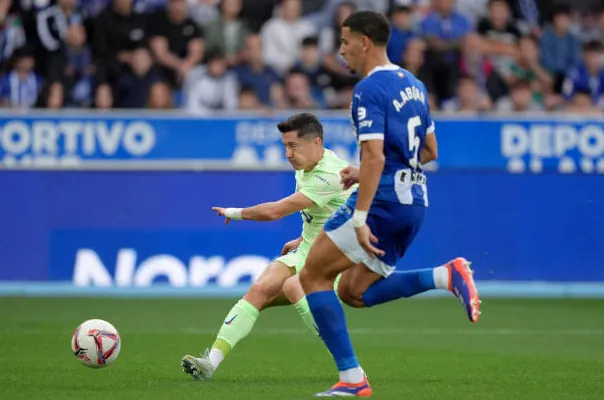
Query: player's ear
(365, 43)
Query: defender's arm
(370, 172)
(430, 150)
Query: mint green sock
(237, 325)
(304, 312)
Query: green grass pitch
(411, 349)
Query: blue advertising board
(134, 229)
(523, 198)
(516, 144)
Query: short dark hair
(491, 2)
(306, 124)
(310, 41)
(521, 84)
(371, 24)
(561, 9)
(593, 45)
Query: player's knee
(292, 289)
(350, 296)
(259, 294)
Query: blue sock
(399, 284)
(329, 317)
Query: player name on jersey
(409, 93)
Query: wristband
(233, 213)
(359, 218)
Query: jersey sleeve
(370, 114)
(322, 188)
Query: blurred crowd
(206, 55)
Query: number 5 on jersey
(414, 141)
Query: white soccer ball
(96, 343)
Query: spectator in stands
(211, 87)
(476, 64)
(71, 83)
(329, 47)
(46, 30)
(258, 76)
(581, 103)
(469, 98)
(313, 67)
(381, 6)
(203, 11)
(248, 100)
(474, 10)
(11, 30)
(135, 84)
(500, 33)
(587, 77)
(227, 34)
(176, 42)
(529, 14)
(401, 22)
(257, 12)
(298, 93)
(282, 36)
(520, 99)
(527, 66)
(414, 62)
(444, 30)
(160, 97)
(20, 87)
(560, 48)
(118, 31)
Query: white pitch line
(354, 331)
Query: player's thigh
(324, 261)
(268, 285)
(354, 282)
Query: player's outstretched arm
(430, 150)
(270, 211)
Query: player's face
(300, 152)
(352, 49)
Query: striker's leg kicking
(265, 292)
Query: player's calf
(240, 320)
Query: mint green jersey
(322, 185)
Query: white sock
(352, 375)
(441, 277)
(216, 357)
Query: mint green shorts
(296, 259)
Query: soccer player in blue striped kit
(366, 237)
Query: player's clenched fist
(291, 245)
(349, 176)
(365, 237)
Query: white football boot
(200, 368)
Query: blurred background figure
(282, 36)
(84, 50)
(211, 87)
(20, 87)
(227, 33)
(176, 41)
